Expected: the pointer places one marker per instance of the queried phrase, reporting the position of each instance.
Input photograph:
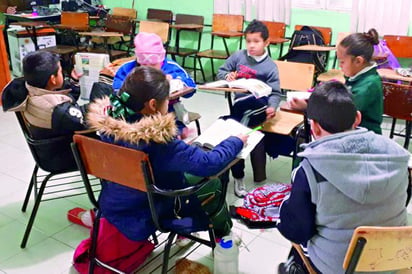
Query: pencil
(255, 129)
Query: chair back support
(399, 45)
(325, 31)
(160, 15)
(276, 29)
(227, 22)
(120, 24)
(379, 249)
(295, 76)
(397, 101)
(160, 28)
(189, 19)
(111, 162)
(80, 20)
(131, 13)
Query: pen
(255, 129)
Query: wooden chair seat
(333, 74)
(184, 52)
(215, 54)
(194, 116)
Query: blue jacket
(168, 67)
(170, 158)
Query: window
(338, 5)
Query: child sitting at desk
(348, 177)
(149, 51)
(140, 121)
(254, 62)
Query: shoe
(182, 241)
(81, 216)
(240, 188)
(282, 268)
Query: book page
(256, 87)
(217, 84)
(298, 95)
(222, 129)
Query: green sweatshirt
(368, 96)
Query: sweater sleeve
(177, 72)
(274, 83)
(228, 66)
(298, 213)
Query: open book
(222, 129)
(254, 86)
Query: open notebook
(254, 86)
(222, 129)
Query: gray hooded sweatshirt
(360, 178)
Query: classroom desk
(227, 92)
(275, 41)
(105, 35)
(314, 48)
(30, 27)
(391, 74)
(179, 93)
(228, 34)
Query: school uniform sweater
(367, 91)
(345, 180)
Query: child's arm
(177, 72)
(273, 81)
(229, 66)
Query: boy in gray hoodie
(349, 177)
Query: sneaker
(182, 241)
(240, 188)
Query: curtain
(268, 10)
(386, 16)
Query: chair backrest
(76, 19)
(189, 19)
(111, 162)
(340, 37)
(131, 13)
(51, 154)
(120, 24)
(295, 76)
(379, 249)
(397, 100)
(227, 22)
(276, 29)
(160, 15)
(399, 45)
(160, 28)
(325, 31)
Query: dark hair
(38, 66)
(257, 26)
(142, 84)
(332, 106)
(361, 44)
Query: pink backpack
(114, 249)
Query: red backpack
(114, 249)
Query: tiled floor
(53, 238)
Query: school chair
(397, 103)
(334, 73)
(54, 175)
(374, 248)
(187, 23)
(160, 28)
(94, 156)
(224, 26)
(399, 45)
(160, 15)
(325, 31)
(276, 35)
(127, 12)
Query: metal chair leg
(33, 181)
(34, 211)
(407, 134)
(93, 247)
(392, 128)
(167, 252)
(198, 127)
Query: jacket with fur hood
(51, 113)
(170, 158)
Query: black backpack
(307, 36)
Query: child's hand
(243, 137)
(231, 76)
(186, 132)
(108, 70)
(76, 76)
(270, 113)
(169, 77)
(298, 104)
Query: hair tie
(118, 106)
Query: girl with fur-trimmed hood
(137, 118)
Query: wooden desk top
(205, 87)
(283, 123)
(186, 26)
(286, 107)
(31, 24)
(70, 27)
(314, 48)
(278, 40)
(101, 34)
(179, 93)
(393, 75)
(227, 34)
